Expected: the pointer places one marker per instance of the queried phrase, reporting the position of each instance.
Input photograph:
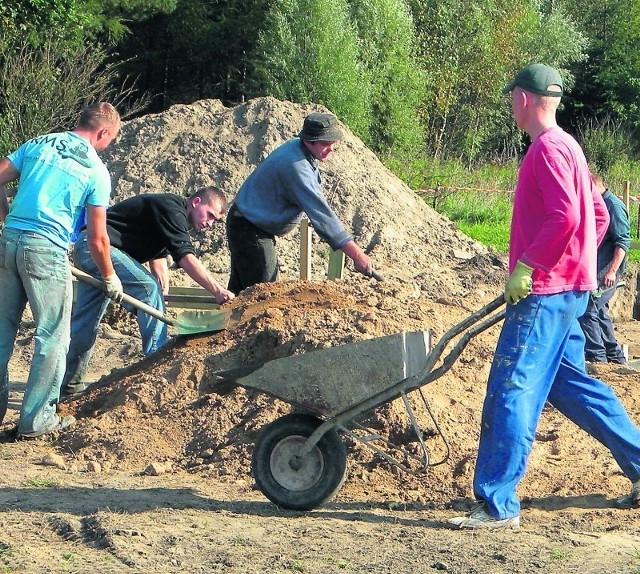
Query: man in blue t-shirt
(59, 175)
(273, 198)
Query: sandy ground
(83, 501)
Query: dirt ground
(156, 474)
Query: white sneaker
(478, 518)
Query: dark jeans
(253, 253)
(601, 345)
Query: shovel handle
(90, 280)
(376, 275)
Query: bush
(605, 142)
(44, 88)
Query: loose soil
(156, 474)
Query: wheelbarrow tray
(329, 381)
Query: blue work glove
(519, 284)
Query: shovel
(187, 323)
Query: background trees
(413, 78)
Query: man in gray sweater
(274, 197)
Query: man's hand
(363, 264)
(519, 284)
(113, 287)
(223, 295)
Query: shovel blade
(200, 321)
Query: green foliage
(608, 82)
(308, 52)
(109, 20)
(387, 50)
(33, 21)
(470, 50)
(605, 143)
(483, 215)
(482, 210)
(427, 173)
(43, 88)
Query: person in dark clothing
(142, 229)
(601, 345)
(274, 197)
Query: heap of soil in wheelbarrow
(172, 408)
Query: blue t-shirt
(60, 173)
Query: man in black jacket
(142, 229)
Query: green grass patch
(479, 201)
(41, 483)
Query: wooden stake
(305, 249)
(336, 265)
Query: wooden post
(625, 194)
(305, 249)
(336, 265)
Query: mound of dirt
(175, 409)
(190, 146)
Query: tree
(470, 49)
(44, 88)
(203, 49)
(387, 50)
(308, 51)
(33, 21)
(607, 84)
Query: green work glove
(519, 284)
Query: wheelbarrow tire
(322, 471)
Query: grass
(560, 554)
(479, 201)
(41, 483)
(6, 550)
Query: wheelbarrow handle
(90, 280)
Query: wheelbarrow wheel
(308, 482)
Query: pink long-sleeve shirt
(558, 217)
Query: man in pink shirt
(557, 224)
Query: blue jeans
(540, 357)
(91, 305)
(35, 270)
(601, 345)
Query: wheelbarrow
(299, 460)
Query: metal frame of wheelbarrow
(287, 443)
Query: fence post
(625, 194)
(305, 249)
